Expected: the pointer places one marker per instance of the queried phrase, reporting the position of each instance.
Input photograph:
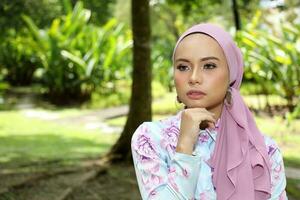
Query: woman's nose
(196, 77)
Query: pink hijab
(240, 163)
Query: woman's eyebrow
(182, 59)
(202, 59)
(209, 58)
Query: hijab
(240, 163)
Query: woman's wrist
(185, 146)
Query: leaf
(90, 67)
(67, 6)
(73, 58)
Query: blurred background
(68, 70)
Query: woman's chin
(195, 106)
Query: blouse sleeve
(157, 178)
(278, 178)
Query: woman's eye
(210, 66)
(182, 67)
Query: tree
(140, 102)
(236, 15)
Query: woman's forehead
(199, 44)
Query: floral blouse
(162, 173)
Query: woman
(212, 149)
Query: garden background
(77, 78)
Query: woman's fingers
(212, 125)
(204, 124)
(207, 122)
(191, 120)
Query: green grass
(56, 113)
(291, 161)
(120, 96)
(24, 140)
(293, 188)
(120, 121)
(288, 138)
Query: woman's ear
(231, 84)
(228, 96)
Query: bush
(17, 62)
(77, 57)
(272, 58)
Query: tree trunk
(140, 102)
(236, 15)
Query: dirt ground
(85, 182)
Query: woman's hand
(189, 128)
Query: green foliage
(170, 18)
(272, 58)
(100, 10)
(162, 63)
(291, 116)
(191, 6)
(77, 56)
(42, 12)
(17, 61)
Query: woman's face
(200, 65)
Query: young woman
(212, 149)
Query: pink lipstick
(195, 94)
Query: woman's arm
(278, 178)
(157, 178)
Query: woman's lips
(195, 94)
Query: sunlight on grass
(25, 137)
(120, 121)
(47, 114)
(260, 101)
(287, 138)
(167, 105)
(121, 95)
(24, 140)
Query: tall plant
(17, 62)
(77, 56)
(273, 58)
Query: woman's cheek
(179, 79)
(221, 86)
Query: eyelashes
(182, 67)
(209, 66)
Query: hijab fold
(240, 163)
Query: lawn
(28, 142)
(24, 140)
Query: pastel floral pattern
(203, 138)
(146, 148)
(169, 138)
(162, 173)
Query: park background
(77, 75)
